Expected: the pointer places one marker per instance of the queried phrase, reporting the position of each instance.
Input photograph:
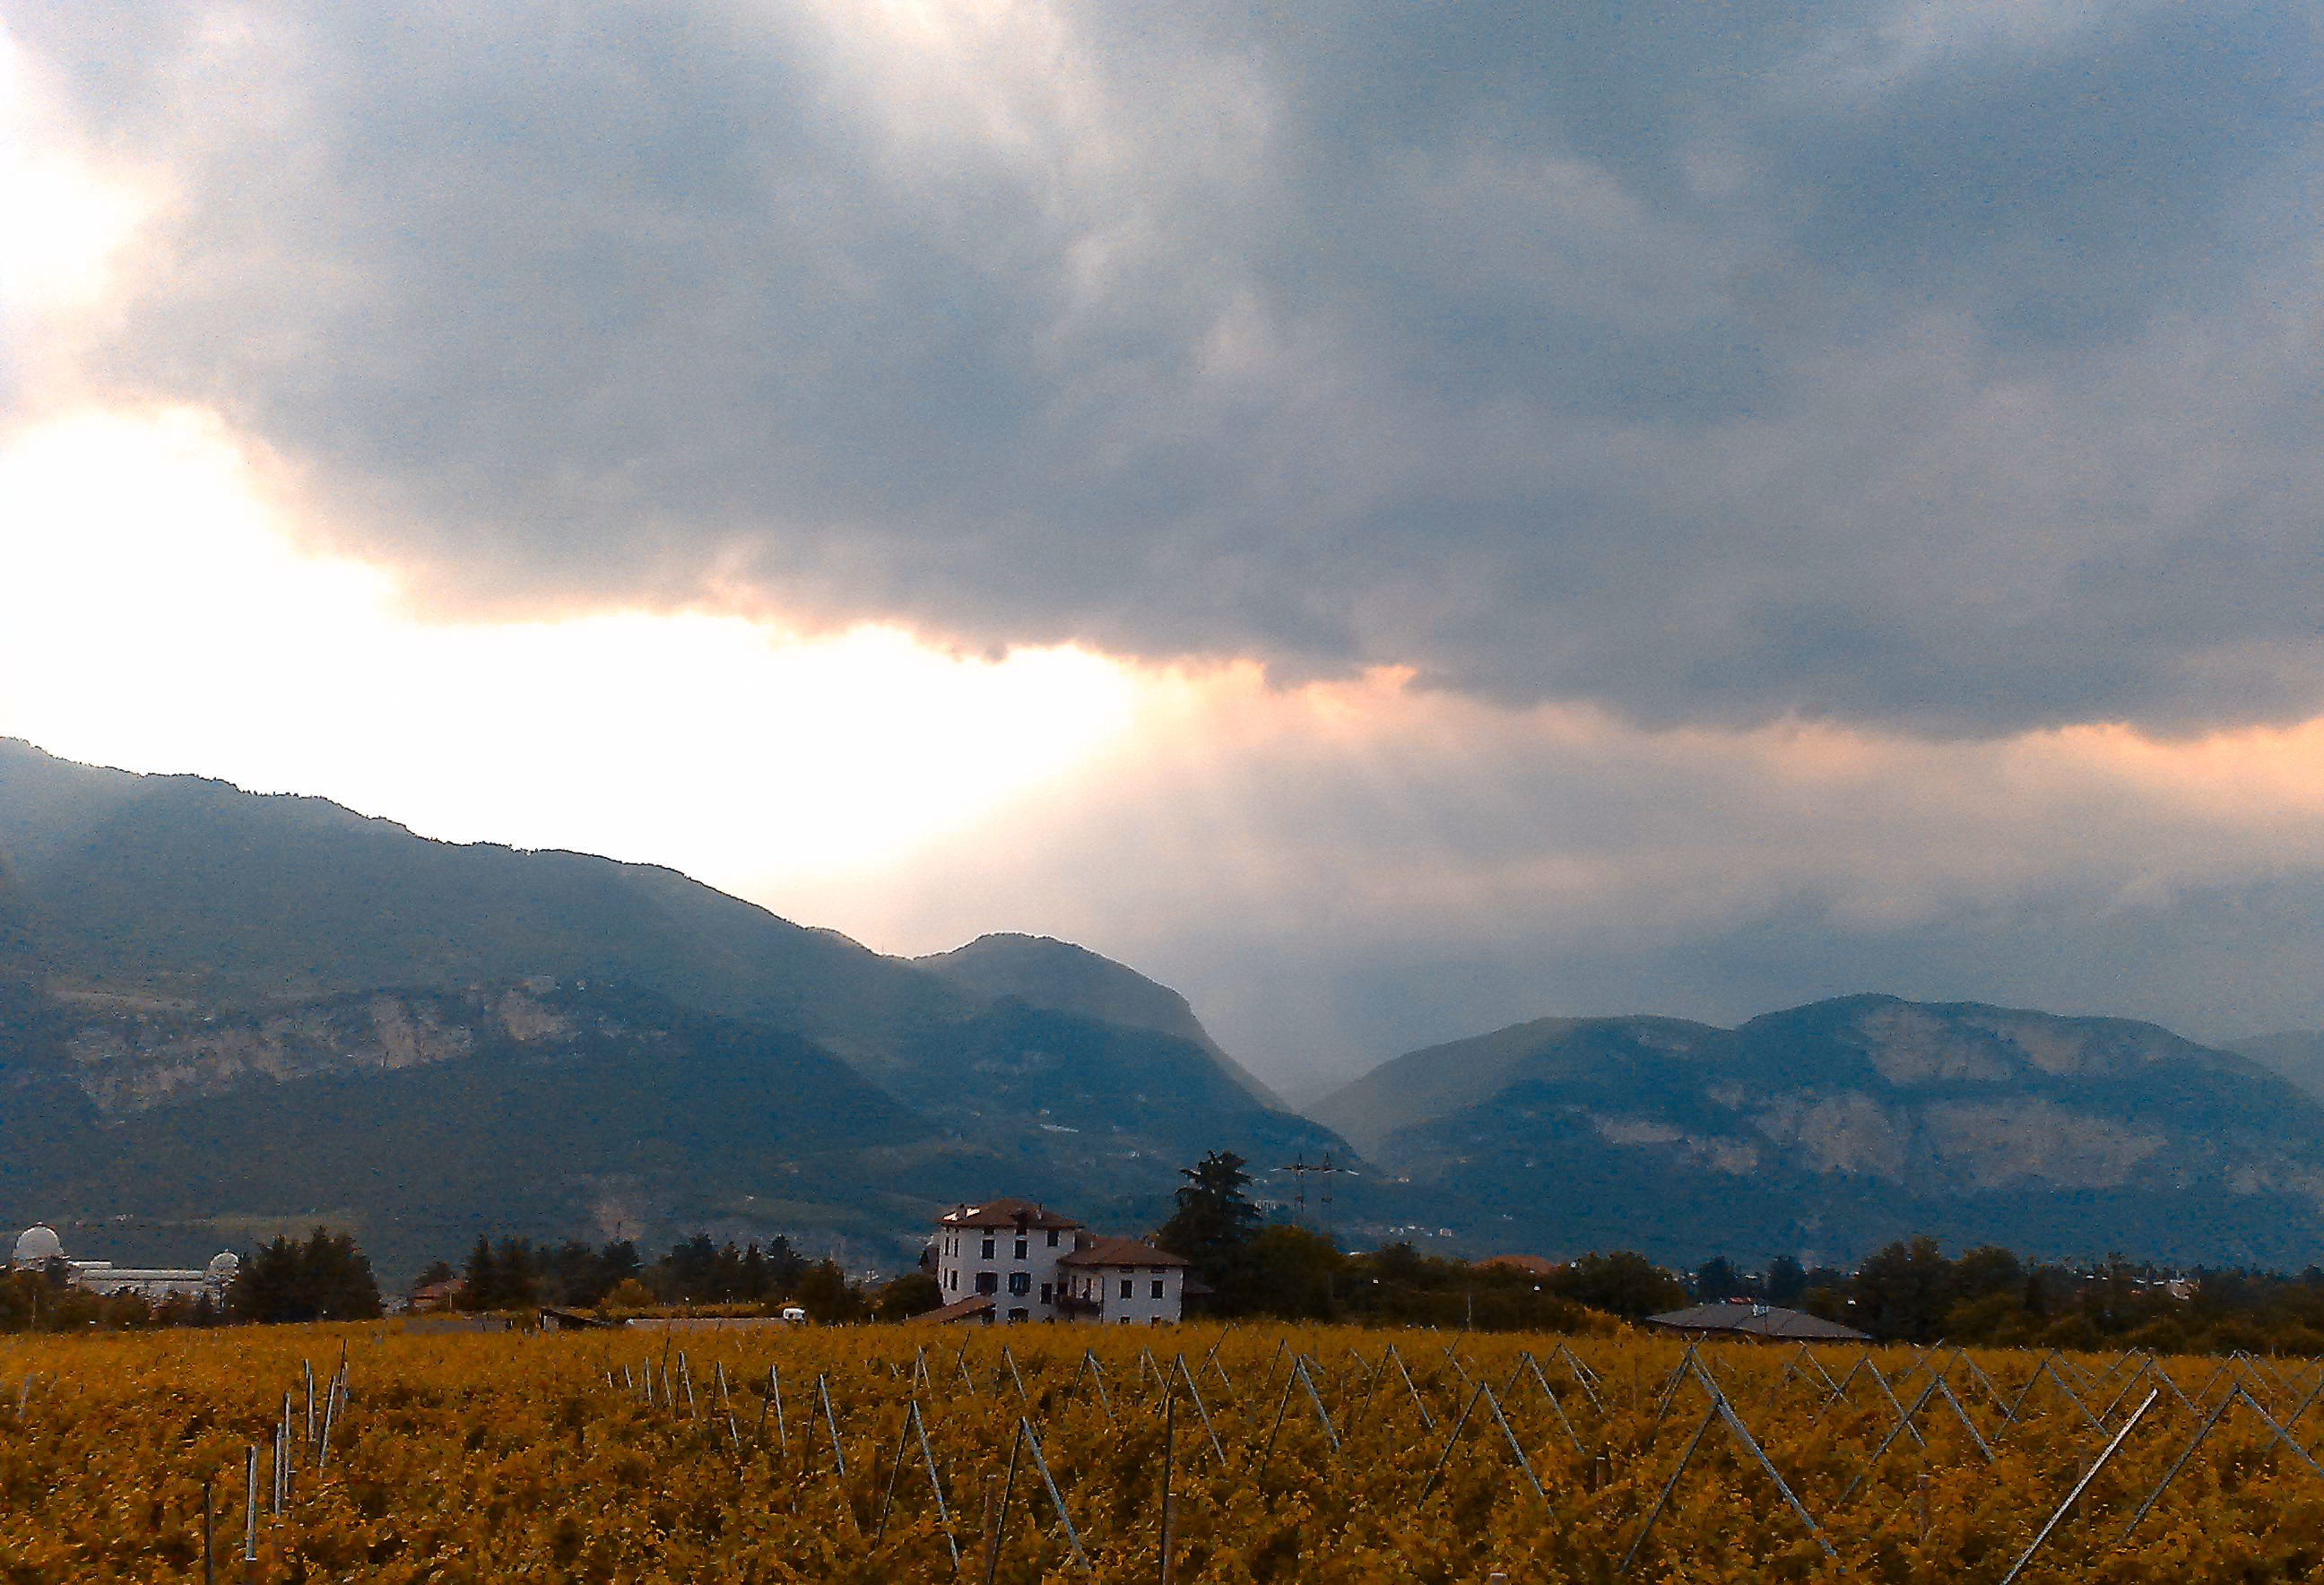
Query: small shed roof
(1755, 1321)
(967, 1309)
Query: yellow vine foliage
(1326, 1456)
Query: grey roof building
(1762, 1322)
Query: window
(988, 1249)
(1045, 1294)
(1158, 1287)
(1127, 1286)
(1020, 1248)
(1053, 1238)
(987, 1282)
(1021, 1282)
(1021, 1315)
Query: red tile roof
(1006, 1213)
(1105, 1250)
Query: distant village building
(38, 1248)
(437, 1295)
(1013, 1260)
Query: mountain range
(254, 1010)
(1829, 1129)
(223, 1014)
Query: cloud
(1338, 873)
(1941, 368)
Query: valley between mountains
(242, 1013)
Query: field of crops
(883, 1453)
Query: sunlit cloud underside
(154, 615)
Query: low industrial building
(38, 1249)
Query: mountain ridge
(193, 977)
(1847, 1121)
(1044, 971)
(193, 954)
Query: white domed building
(39, 1245)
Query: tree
(1717, 1278)
(1787, 1279)
(326, 1278)
(1622, 1283)
(1904, 1292)
(571, 1276)
(521, 1267)
(1215, 1218)
(1989, 1270)
(480, 1280)
(1290, 1272)
(825, 1296)
(913, 1293)
(629, 1294)
(617, 1263)
(1397, 1284)
(689, 1273)
(785, 1267)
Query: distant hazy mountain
(2297, 1054)
(1046, 972)
(1832, 1128)
(229, 1006)
(1421, 1086)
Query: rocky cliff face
(417, 1117)
(1844, 1120)
(132, 1062)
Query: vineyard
(1192, 1455)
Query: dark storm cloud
(1944, 367)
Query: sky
(1392, 518)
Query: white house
(1015, 1260)
(37, 1247)
(1122, 1283)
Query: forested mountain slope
(1829, 1128)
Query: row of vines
(1191, 1454)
